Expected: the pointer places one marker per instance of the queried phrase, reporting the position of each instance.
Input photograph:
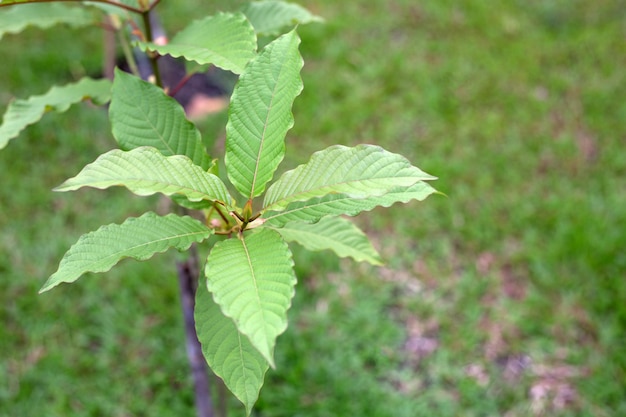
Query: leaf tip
(267, 353)
(47, 286)
(377, 262)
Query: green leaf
(145, 171)
(334, 233)
(134, 4)
(143, 115)
(225, 40)
(269, 17)
(336, 204)
(137, 238)
(22, 113)
(360, 172)
(230, 354)
(43, 16)
(260, 115)
(252, 280)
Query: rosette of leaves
(249, 281)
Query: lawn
(506, 296)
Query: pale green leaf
(130, 4)
(269, 17)
(145, 171)
(230, 354)
(336, 204)
(360, 172)
(225, 40)
(137, 238)
(22, 113)
(333, 233)
(43, 16)
(251, 278)
(260, 115)
(143, 115)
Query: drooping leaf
(269, 17)
(230, 354)
(360, 172)
(43, 16)
(137, 238)
(133, 4)
(143, 115)
(335, 233)
(252, 280)
(225, 40)
(336, 204)
(145, 171)
(22, 113)
(260, 115)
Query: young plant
(249, 281)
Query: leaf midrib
(148, 243)
(263, 138)
(159, 135)
(254, 280)
(265, 125)
(126, 181)
(293, 198)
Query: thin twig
(108, 63)
(153, 57)
(128, 54)
(222, 215)
(180, 84)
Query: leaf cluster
(249, 280)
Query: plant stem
(188, 280)
(128, 54)
(108, 63)
(222, 215)
(180, 84)
(147, 23)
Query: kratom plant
(248, 281)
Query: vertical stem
(188, 274)
(108, 63)
(128, 54)
(147, 23)
(188, 280)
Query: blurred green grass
(504, 298)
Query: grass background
(507, 297)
